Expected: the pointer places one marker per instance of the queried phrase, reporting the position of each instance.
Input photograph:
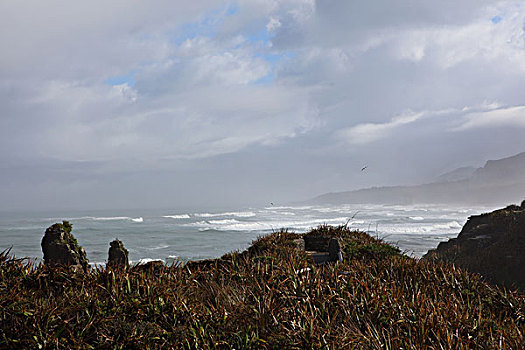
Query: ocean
(182, 235)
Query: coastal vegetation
(270, 296)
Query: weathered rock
(334, 250)
(61, 248)
(299, 243)
(150, 266)
(315, 242)
(322, 247)
(492, 245)
(118, 254)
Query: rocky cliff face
(491, 244)
(118, 255)
(61, 248)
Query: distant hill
(497, 183)
(459, 174)
(508, 170)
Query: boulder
(492, 245)
(316, 242)
(118, 254)
(61, 248)
(321, 247)
(299, 243)
(151, 266)
(334, 250)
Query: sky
(173, 104)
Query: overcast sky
(127, 103)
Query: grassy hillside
(270, 296)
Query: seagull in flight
(363, 169)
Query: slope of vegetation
(270, 296)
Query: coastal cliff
(491, 244)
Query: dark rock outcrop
(316, 242)
(118, 254)
(61, 248)
(492, 245)
(299, 243)
(334, 250)
(322, 247)
(151, 266)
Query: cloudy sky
(164, 103)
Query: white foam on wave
(107, 218)
(163, 246)
(407, 208)
(277, 212)
(444, 227)
(144, 261)
(356, 222)
(22, 228)
(240, 214)
(113, 218)
(223, 222)
(417, 218)
(326, 210)
(304, 207)
(441, 226)
(234, 225)
(177, 216)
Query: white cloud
(273, 24)
(369, 132)
(451, 45)
(486, 114)
(501, 117)
(212, 78)
(191, 99)
(229, 69)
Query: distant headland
(497, 183)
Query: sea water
(181, 235)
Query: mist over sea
(184, 235)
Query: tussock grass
(270, 296)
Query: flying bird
(363, 169)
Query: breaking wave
(162, 246)
(107, 218)
(179, 216)
(110, 218)
(240, 214)
(235, 225)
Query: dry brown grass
(270, 296)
